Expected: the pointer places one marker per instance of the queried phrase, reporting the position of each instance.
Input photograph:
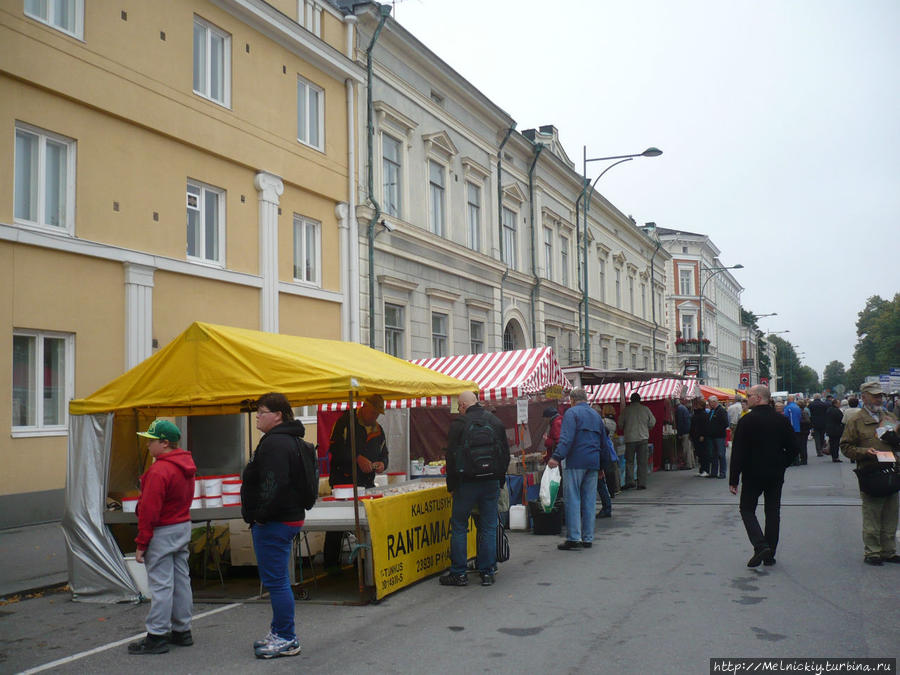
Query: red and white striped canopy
(651, 390)
(499, 375)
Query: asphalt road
(664, 589)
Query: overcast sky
(779, 121)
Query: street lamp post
(752, 344)
(586, 200)
(715, 271)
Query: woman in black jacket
(834, 427)
(271, 502)
(699, 421)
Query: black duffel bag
(878, 479)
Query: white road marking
(112, 645)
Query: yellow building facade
(162, 162)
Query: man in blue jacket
(582, 441)
(793, 413)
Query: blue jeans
(580, 488)
(718, 463)
(484, 494)
(272, 544)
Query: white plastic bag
(549, 488)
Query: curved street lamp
(586, 200)
(715, 271)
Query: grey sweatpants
(169, 579)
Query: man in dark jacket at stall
(371, 458)
(764, 445)
(715, 438)
(699, 422)
(478, 433)
(817, 410)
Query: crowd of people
(768, 436)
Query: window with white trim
(601, 271)
(510, 256)
(310, 114)
(644, 300)
(633, 361)
(309, 15)
(43, 367)
(476, 337)
(564, 261)
(620, 358)
(44, 189)
(205, 223)
(436, 188)
(687, 326)
(548, 253)
(605, 357)
(64, 15)
(212, 62)
(619, 290)
(473, 215)
(685, 279)
(439, 334)
(631, 293)
(394, 329)
(390, 172)
(307, 250)
(551, 342)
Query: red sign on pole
(764, 380)
(745, 381)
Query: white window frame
(68, 227)
(211, 30)
(548, 253)
(398, 187)
(309, 15)
(689, 320)
(402, 330)
(510, 236)
(689, 271)
(601, 273)
(303, 135)
(435, 337)
(473, 349)
(643, 299)
(564, 259)
(473, 216)
(631, 293)
(439, 229)
(301, 225)
(206, 192)
(39, 429)
(619, 289)
(50, 19)
(604, 359)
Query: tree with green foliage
(833, 375)
(793, 376)
(878, 344)
(750, 319)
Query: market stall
(208, 370)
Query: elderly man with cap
(164, 532)
(371, 458)
(869, 437)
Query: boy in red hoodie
(164, 531)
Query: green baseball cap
(162, 430)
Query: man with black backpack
(477, 459)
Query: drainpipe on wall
(384, 11)
(500, 221)
(538, 147)
(653, 297)
(351, 279)
(580, 261)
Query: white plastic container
(518, 517)
(129, 504)
(197, 503)
(381, 480)
(229, 499)
(212, 486)
(198, 488)
(345, 491)
(212, 501)
(138, 572)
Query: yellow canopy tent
(208, 370)
(212, 370)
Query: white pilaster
(138, 313)
(270, 188)
(342, 213)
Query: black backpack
(307, 484)
(480, 455)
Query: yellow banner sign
(411, 537)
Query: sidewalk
(32, 557)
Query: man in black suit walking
(764, 446)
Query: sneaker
(451, 579)
(869, 560)
(487, 579)
(266, 640)
(181, 638)
(278, 647)
(703, 474)
(150, 644)
(587, 544)
(569, 545)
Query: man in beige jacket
(636, 421)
